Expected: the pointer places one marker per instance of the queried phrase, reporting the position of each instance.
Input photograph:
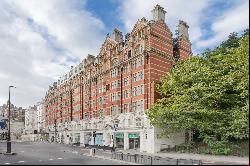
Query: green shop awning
(119, 135)
(134, 135)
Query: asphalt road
(39, 153)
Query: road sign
(3, 125)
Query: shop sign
(119, 135)
(134, 135)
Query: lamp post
(55, 131)
(8, 140)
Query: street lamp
(8, 141)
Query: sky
(41, 39)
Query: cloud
(3, 76)
(234, 19)
(205, 17)
(39, 40)
(190, 11)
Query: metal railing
(153, 160)
(100, 147)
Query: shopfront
(77, 138)
(99, 139)
(119, 140)
(134, 140)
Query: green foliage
(185, 147)
(216, 147)
(208, 94)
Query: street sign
(3, 125)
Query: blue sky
(41, 39)
(109, 12)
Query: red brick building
(110, 93)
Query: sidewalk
(104, 155)
(206, 159)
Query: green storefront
(119, 140)
(134, 140)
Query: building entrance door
(134, 141)
(119, 140)
(77, 138)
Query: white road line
(59, 158)
(40, 160)
(6, 163)
(208, 162)
(21, 161)
(51, 159)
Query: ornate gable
(139, 25)
(107, 45)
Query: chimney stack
(183, 30)
(117, 35)
(158, 13)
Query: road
(39, 153)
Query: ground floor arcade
(143, 140)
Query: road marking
(6, 163)
(22, 151)
(208, 162)
(51, 159)
(40, 160)
(59, 158)
(21, 161)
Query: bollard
(113, 155)
(92, 151)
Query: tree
(207, 94)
